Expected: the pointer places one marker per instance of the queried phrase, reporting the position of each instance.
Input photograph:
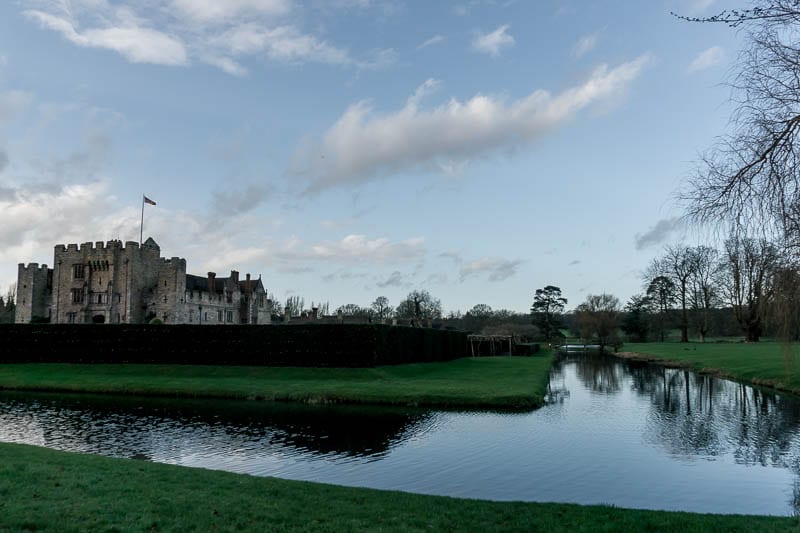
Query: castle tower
(34, 284)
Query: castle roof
(254, 284)
(200, 283)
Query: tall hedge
(323, 345)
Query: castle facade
(132, 284)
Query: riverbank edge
(476, 390)
(711, 371)
(50, 490)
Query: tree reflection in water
(700, 416)
(144, 428)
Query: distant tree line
(8, 305)
(748, 288)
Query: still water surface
(614, 432)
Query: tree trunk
(753, 333)
(684, 318)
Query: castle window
(191, 316)
(71, 317)
(229, 316)
(77, 296)
(165, 298)
(165, 283)
(164, 318)
(219, 315)
(77, 271)
(205, 316)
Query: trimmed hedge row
(323, 345)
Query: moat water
(614, 432)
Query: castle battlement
(130, 283)
(33, 267)
(98, 245)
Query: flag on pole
(149, 201)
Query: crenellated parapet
(33, 268)
(116, 282)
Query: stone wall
(33, 292)
(130, 284)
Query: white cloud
(137, 44)
(707, 58)
(220, 11)
(436, 39)
(585, 45)
(38, 217)
(363, 145)
(283, 43)
(360, 248)
(492, 43)
(497, 269)
(177, 32)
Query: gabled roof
(255, 284)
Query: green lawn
(46, 490)
(491, 382)
(765, 363)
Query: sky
(349, 149)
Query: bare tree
(703, 288)
(678, 265)
(352, 310)
(295, 305)
(420, 305)
(8, 306)
(381, 309)
(751, 178)
(750, 266)
(598, 319)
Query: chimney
(211, 281)
(247, 284)
(315, 312)
(235, 276)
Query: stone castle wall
(116, 283)
(33, 292)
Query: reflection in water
(149, 428)
(613, 432)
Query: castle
(132, 284)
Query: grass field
(764, 363)
(489, 382)
(47, 490)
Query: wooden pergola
(478, 340)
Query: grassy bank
(764, 363)
(46, 490)
(496, 382)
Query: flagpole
(141, 224)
